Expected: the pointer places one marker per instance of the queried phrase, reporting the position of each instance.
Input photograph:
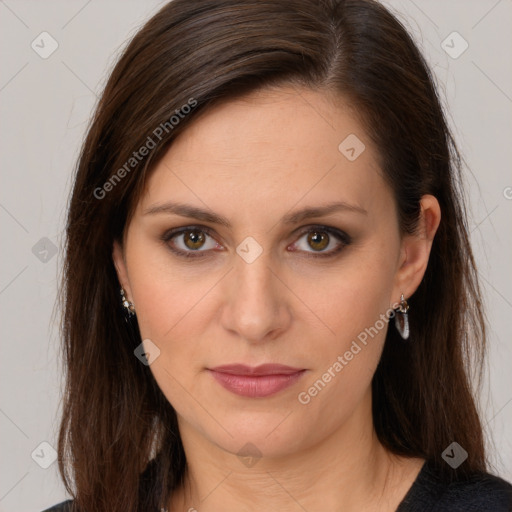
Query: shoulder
(481, 492)
(65, 506)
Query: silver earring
(128, 305)
(402, 318)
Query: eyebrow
(185, 210)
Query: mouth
(256, 382)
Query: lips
(263, 369)
(256, 382)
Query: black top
(481, 493)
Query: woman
(270, 297)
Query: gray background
(45, 106)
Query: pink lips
(256, 382)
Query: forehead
(279, 145)
(273, 119)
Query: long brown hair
(116, 422)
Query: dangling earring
(129, 307)
(402, 318)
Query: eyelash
(343, 238)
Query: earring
(129, 306)
(402, 318)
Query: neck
(348, 468)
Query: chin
(260, 434)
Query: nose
(256, 307)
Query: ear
(415, 250)
(120, 264)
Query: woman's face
(267, 284)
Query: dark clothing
(481, 493)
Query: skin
(253, 160)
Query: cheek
(169, 301)
(166, 294)
(353, 302)
(350, 297)
(173, 321)
(172, 315)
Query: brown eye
(321, 241)
(193, 239)
(318, 240)
(190, 241)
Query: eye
(189, 240)
(197, 241)
(323, 241)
